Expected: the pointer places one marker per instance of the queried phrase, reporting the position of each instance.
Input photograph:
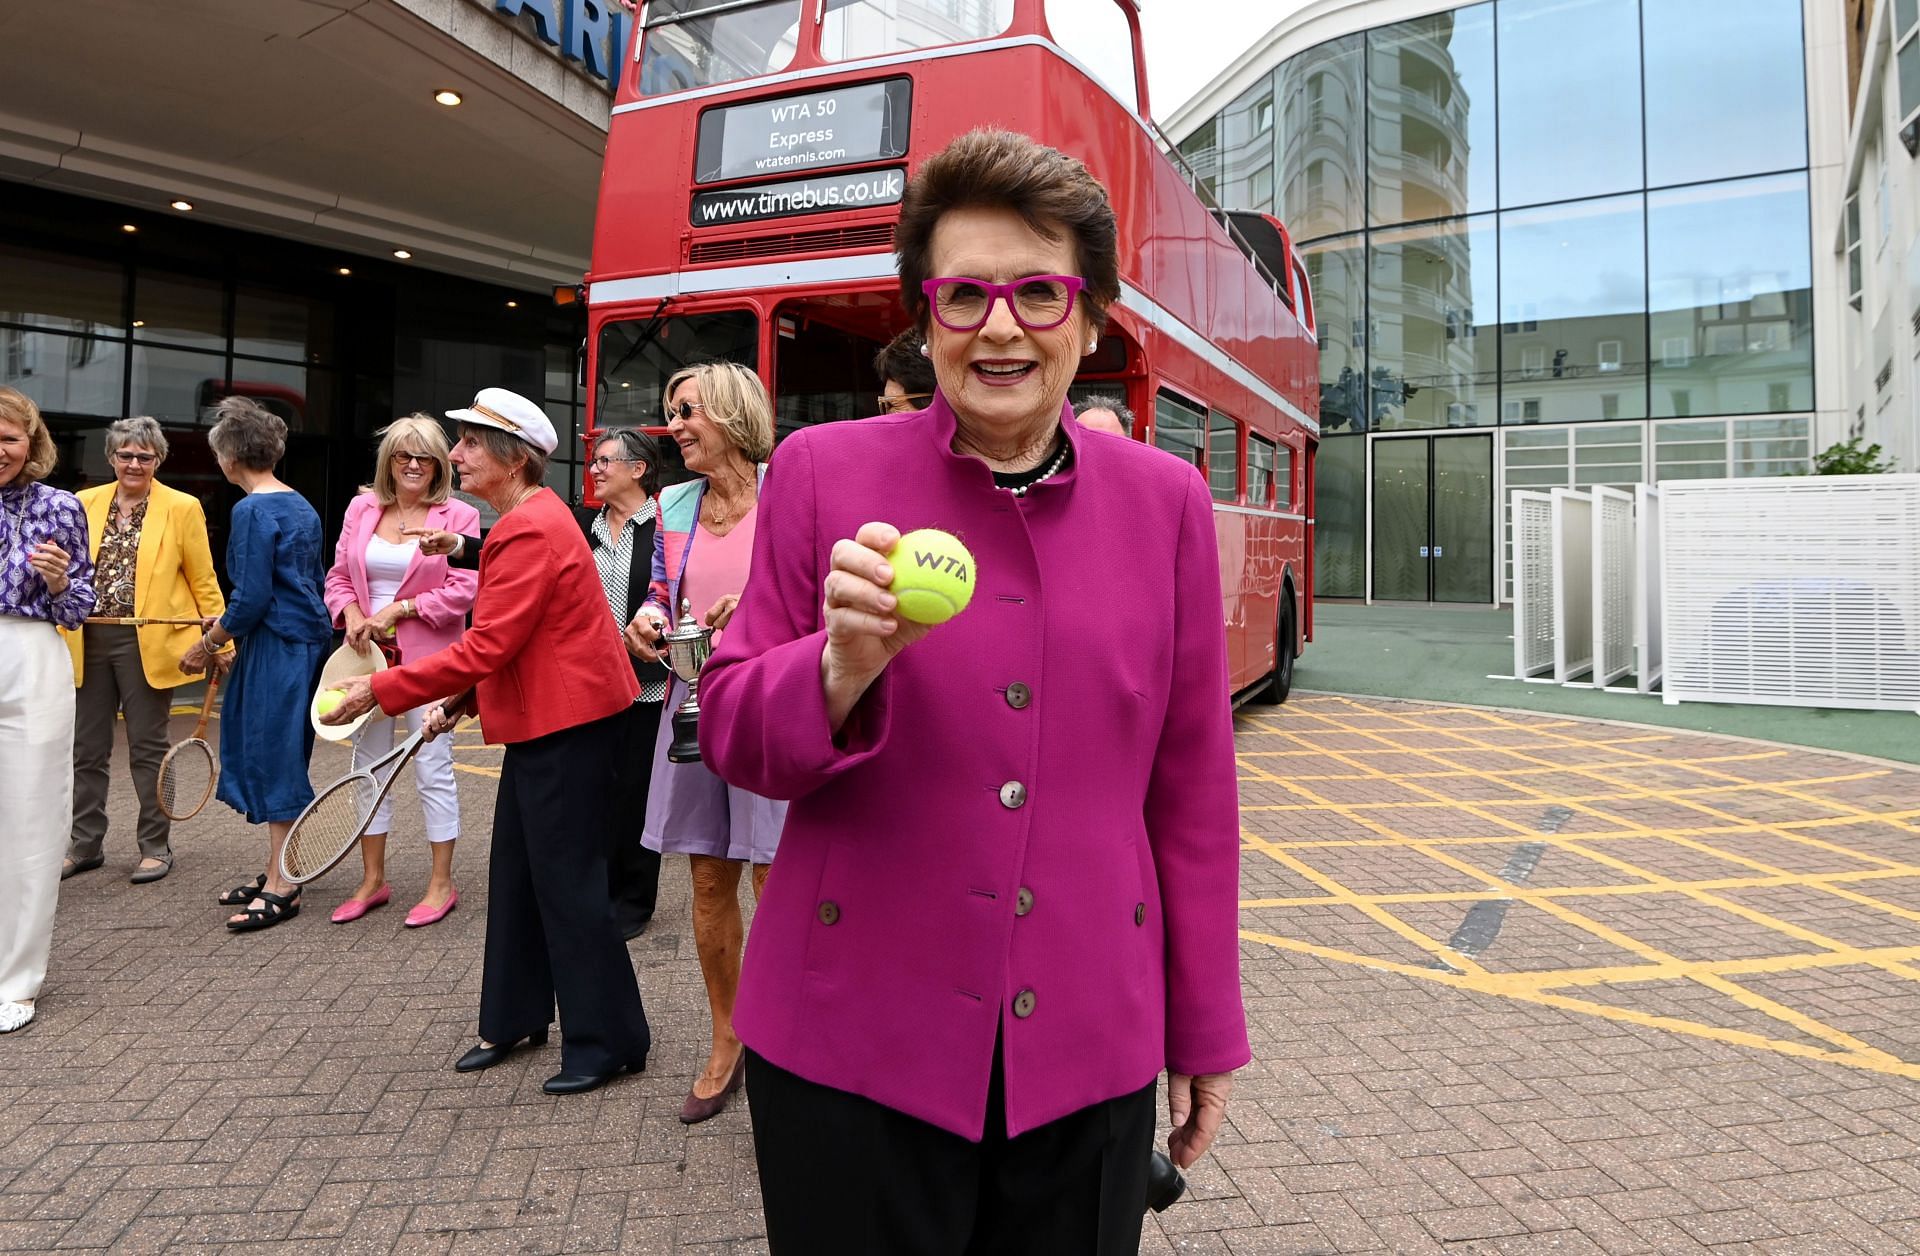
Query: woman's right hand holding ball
(864, 630)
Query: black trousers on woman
(550, 929)
(633, 869)
(840, 1173)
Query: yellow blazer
(173, 580)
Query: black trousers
(550, 926)
(634, 871)
(840, 1173)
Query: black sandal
(241, 895)
(277, 909)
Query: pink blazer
(1029, 826)
(442, 595)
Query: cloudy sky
(1190, 41)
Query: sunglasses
(1038, 302)
(401, 460)
(684, 410)
(902, 403)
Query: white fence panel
(1532, 584)
(1802, 591)
(1613, 585)
(1646, 632)
(1572, 583)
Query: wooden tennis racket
(189, 772)
(339, 815)
(126, 621)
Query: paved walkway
(1518, 984)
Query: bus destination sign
(840, 126)
(818, 194)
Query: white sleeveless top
(387, 565)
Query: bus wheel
(1280, 684)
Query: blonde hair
(735, 400)
(415, 429)
(19, 409)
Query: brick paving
(1518, 983)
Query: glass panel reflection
(279, 325)
(1725, 93)
(1463, 519)
(1432, 309)
(64, 374)
(1569, 99)
(1340, 305)
(1400, 520)
(1319, 95)
(180, 310)
(174, 385)
(59, 292)
(1573, 308)
(1431, 117)
(1730, 288)
(873, 28)
(1340, 505)
(1246, 139)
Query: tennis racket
(339, 815)
(188, 773)
(131, 622)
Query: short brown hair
(902, 362)
(990, 169)
(506, 449)
(19, 409)
(246, 432)
(736, 401)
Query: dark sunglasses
(684, 410)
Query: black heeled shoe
(482, 1056)
(1164, 1183)
(581, 1083)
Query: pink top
(718, 565)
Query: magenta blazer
(1029, 825)
(440, 594)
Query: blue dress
(282, 628)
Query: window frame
(1239, 430)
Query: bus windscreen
(637, 356)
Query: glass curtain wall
(1528, 212)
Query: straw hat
(342, 665)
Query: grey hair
(506, 449)
(1105, 401)
(247, 433)
(138, 430)
(634, 443)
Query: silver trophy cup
(687, 646)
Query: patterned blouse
(30, 514)
(113, 568)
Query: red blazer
(543, 651)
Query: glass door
(1433, 518)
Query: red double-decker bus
(757, 156)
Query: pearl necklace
(1053, 469)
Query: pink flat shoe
(354, 908)
(422, 915)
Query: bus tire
(1280, 683)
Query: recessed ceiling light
(402, 254)
(128, 227)
(626, 384)
(183, 206)
(447, 96)
(139, 322)
(513, 305)
(344, 270)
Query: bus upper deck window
(1096, 34)
(871, 28)
(692, 43)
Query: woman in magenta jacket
(1006, 896)
(391, 596)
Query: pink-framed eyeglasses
(1038, 302)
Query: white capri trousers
(36, 767)
(432, 774)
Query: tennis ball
(330, 700)
(933, 576)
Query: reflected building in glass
(1551, 242)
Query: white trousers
(36, 796)
(432, 773)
